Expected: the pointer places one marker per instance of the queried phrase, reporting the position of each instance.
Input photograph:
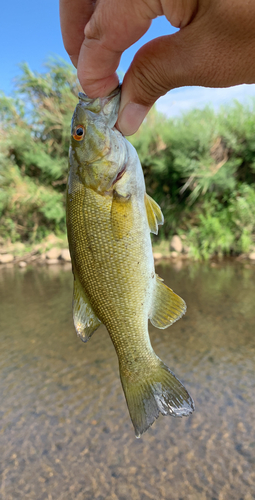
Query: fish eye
(79, 133)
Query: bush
(201, 170)
(35, 131)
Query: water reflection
(65, 431)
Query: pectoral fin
(85, 320)
(167, 307)
(154, 214)
(121, 215)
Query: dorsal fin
(154, 214)
(85, 320)
(167, 306)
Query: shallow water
(65, 432)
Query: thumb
(212, 51)
(157, 68)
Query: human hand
(215, 47)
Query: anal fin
(167, 307)
(85, 320)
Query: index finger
(113, 27)
(73, 20)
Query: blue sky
(30, 31)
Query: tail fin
(158, 392)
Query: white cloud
(183, 99)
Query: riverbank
(54, 250)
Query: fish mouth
(98, 104)
(87, 99)
(120, 174)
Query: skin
(215, 47)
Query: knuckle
(149, 80)
(92, 29)
(148, 9)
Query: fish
(109, 220)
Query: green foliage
(29, 211)
(225, 226)
(199, 167)
(34, 142)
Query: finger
(155, 70)
(73, 19)
(204, 53)
(113, 27)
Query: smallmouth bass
(109, 220)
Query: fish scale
(109, 219)
(103, 259)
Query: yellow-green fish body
(109, 220)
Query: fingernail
(131, 117)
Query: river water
(65, 431)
